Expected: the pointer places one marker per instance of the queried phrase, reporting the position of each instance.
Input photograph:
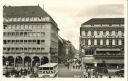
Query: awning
(111, 61)
(117, 49)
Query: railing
(108, 55)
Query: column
(40, 60)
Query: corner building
(30, 36)
(102, 40)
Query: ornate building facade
(102, 40)
(30, 36)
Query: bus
(48, 70)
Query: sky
(70, 14)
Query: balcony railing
(109, 55)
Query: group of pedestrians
(17, 73)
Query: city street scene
(59, 41)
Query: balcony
(118, 55)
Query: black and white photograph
(63, 39)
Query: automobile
(120, 73)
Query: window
(26, 26)
(13, 41)
(23, 19)
(21, 41)
(42, 48)
(27, 19)
(101, 41)
(42, 33)
(25, 49)
(89, 33)
(22, 27)
(17, 33)
(42, 41)
(29, 49)
(4, 48)
(5, 42)
(25, 33)
(21, 33)
(119, 42)
(17, 48)
(29, 41)
(38, 41)
(113, 33)
(18, 19)
(12, 49)
(30, 26)
(13, 33)
(4, 34)
(21, 49)
(31, 19)
(119, 33)
(8, 49)
(107, 42)
(113, 42)
(38, 34)
(83, 33)
(34, 41)
(25, 41)
(5, 26)
(89, 42)
(17, 41)
(14, 19)
(101, 33)
(34, 34)
(18, 27)
(95, 33)
(95, 41)
(35, 19)
(38, 49)
(107, 33)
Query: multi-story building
(102, 40)
(66, 50)
(30, 36)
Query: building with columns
(102, 41)
(30, 36)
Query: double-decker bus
(48, 70)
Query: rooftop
(104, 21)
(49, 65)
(25, 11)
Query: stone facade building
(30, 36)
(102, 40)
